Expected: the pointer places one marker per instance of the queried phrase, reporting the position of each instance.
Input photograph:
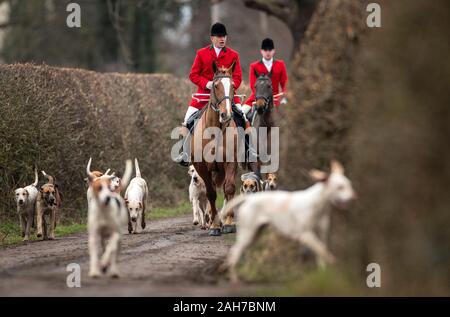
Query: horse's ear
(233, 66)
(214, 67)
(256, 73)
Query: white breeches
(190, 111)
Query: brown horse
(217, 172)
(262, 118)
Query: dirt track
(171, 258)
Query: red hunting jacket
(279, 78)
(202, 70)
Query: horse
(262, 116)
(216, 174)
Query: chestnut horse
(217, 173)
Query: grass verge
(10, 231)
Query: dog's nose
(272, 186)
(195, 179)
(107, 200)
(133, 219)
(20, 202)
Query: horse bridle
(218, 102)
(267, 100)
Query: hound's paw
(25, 239)
(94, 273)
(114, 274)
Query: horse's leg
(229, 188)
(211, 194)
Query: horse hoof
(214, 232)
(229, 229)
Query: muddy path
(171, 258)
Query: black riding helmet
(267, 44)
(218, 29)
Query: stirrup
(182, 159)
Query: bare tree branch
(278, 8)
(296, 14)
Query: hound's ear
(318, 176)
(256, 73)
(90, 178)
(214, 67)
(337, 167)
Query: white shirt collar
(268, 63)
(217, 51)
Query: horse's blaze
(260, 103)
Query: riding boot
(183, 157)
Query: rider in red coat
(268, 64)
(202, 74)
(202, 70)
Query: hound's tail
(136, 165)
(127, 174)
(36, 177)
(235, 202)
(50, 178)
(88, 167)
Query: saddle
(238, 117)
